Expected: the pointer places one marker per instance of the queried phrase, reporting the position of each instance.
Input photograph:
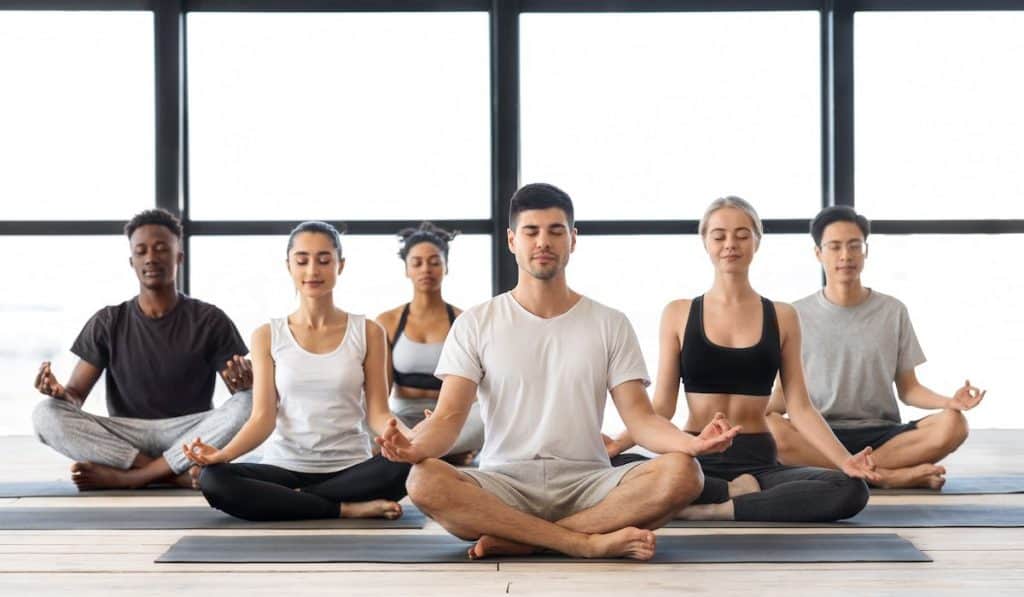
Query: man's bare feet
(188, 479)
(371, 509)
(927, 476)
(488, 545)
(742, 485)
(723, 511)
(630, 542)
(89, 475)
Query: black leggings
(788, 493)
(268, 492)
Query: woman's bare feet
(742, 485)
(372, 509)
(723, 511)
(630, 542)
(89, 475)
(488, 545)
(927, 476)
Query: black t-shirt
(159, 368)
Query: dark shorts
(858, 438)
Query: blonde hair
(735, 202)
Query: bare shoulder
(676, 312)
(261, 339)
(457, 310)
(787, 316)
(389, 319)
(374, 329)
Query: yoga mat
(439, 549)
(66, 488)
(965, 486)
(897, 516)
(198, 517)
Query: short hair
(426, 232)
(156, 217)
(539, 195)
(735, 202)
(837, 213)
(316, 227)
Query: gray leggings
(117, 441)
(410, 412)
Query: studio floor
(973, 561)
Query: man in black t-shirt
(162, 351)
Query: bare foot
(188, 479)
(723, 511)
(928, 476)
(89, 475)
(372, 509)
(743, 485)
(630, 542)
(488, 545)
(460, 459)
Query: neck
(157, 302)
(425, 302)
(315, 312)
(846, 294)
(731, 288)
(544, 298)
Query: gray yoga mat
(64, 488)
(896, 516)
(431, 549)
(197, 517)
(965, 486)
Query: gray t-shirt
(852, 355)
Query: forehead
(730, 218)
(151, 233)
(542, 217)
(424, 250)
(312, 242)
(841, 231)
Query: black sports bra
(707, 368)
(422, 381)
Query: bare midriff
(415, 393)
(747, 411)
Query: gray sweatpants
(410, 412)
(116, 441)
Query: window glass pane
(639, 275)
(76, 115)
(51, 286)
(645, 116)
(939, 129)
(247, 277)
(339, 116)
(964, 302)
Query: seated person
(857, 343)
(319, 375)
(544, 359)
(727, 347)
(162, 351)
(416, 333)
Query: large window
(76, 115)
(651, 116)
(940, 132)
(339, 116)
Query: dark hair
(316, 227)
(426, 232)
(539, 195)
(837, 213)
(157, 217)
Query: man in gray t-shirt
(857, 344)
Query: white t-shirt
(542, 383)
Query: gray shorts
(550, 489)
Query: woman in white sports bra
(311, 371)
(416, 333)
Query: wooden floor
(110, 563)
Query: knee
(679, 480)
(852, 498)
(48, 418)
(213, 480)
(954, 429)
(425, 483)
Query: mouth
(544, 258)
(313, 283)
(426, 280)
(731, 258)
(152, 273)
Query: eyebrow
(738, 228)
(307, 253)
(537, 226)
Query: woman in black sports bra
(416, 332)
(727, 347)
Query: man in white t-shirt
(543, 359)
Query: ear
(341, 265)
(575, 233)
(511, 240)
(181, 257)
(817, 254)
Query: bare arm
(913, 393)
(83, 377)
(437, 433)
(802, 412)
(375, 375)
(387, 323)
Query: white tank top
(320, 411)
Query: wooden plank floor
(113, 563)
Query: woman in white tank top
(310, 373)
